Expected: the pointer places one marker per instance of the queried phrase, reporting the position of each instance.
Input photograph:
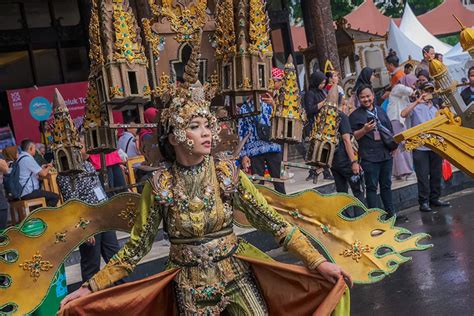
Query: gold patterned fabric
(196, 205)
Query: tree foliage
(394, 8)
(296, 14)
(341, 8)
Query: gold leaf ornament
(36, 265)
(367, 247)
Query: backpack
(11, 181)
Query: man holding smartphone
(428, 165)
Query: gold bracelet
(315, 264)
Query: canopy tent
(418, 34)
(456, 60)
(401, 44)
(457, 54)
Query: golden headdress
(187, 101)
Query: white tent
(401, 44)
(457, 54)
(456, 60)
(418, 34)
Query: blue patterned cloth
(247, 125)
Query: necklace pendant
(196, 205)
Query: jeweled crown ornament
(66, 144)
(289, 116)
(188, 100)
(324, 136)
(243, 52)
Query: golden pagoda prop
(466, 38)
(324, 136)
(243, 53)
(121, 73)
(289, 115)
(98, 136)
(447, 89)
(66, 144)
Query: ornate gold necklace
(193, 189)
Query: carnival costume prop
(210, 270)
(289, 116)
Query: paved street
(439, 281)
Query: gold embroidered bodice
(196, 205)
(191, 200)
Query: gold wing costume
(196, 206)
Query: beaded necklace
(193, 189)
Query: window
(132, 80)
(75, 64)
(374, 58)
(10, 16)
(227, 75)
(261, 76)
(15, 70)
(37, 13)
(67, 12)
(47, 66)
(178, 65)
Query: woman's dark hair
(392, 58)
(408, 65)
(363, 87)
(364, 77)
(316, 79)
(329, 74)
(166, 149)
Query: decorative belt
(205, 254)
(202, 240)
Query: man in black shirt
(376, 158)
(345, 166)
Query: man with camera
(428, 165)
(346, 169)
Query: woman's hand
(80, 292)
(332, 272)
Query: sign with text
(28, 107)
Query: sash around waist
(204, 254)
(202, 240)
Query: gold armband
(297, 243)
(106, 277)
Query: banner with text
(28, 107)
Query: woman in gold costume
(211, 271)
